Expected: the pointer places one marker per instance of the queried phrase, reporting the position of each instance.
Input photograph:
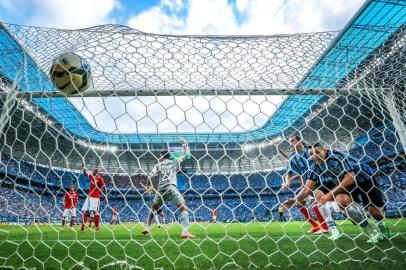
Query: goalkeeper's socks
(150, 218)
(307, 217)
(184, 221)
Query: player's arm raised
(84, 170)
(104, 190)
(102, 186)
(183, 142)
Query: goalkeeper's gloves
(183, 142)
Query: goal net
(241, 103)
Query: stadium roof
(375, 23)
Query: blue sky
(209, 17)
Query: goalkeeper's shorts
(168, 193)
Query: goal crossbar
(222, 92)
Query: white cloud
(263, 17)
(156, 20)
(202, 17)
(173, 5)
(69, 14)
(210, 17)
(245, 17)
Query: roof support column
(396, 117)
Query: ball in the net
(71, 73)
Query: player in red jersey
(114, 218)
(214, 214)
(70, 200)
(90, 208)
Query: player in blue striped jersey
(339, 176)
(298, 166)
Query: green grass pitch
(217, 246)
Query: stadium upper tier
(125, 59)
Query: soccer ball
(71, 74)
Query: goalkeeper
(167, 188)
(151, 191)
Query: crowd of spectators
(237, 197)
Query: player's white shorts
(333, 206)
(69, 213)
(114, 218)
(91, 204)
(214, 218)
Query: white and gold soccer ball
(71, 73)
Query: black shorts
(326, 187)
(368, 193)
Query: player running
(337, 175)
(167, 189)
(91, 206)
(70, 200)
(298, 166)
(114, 217)
(214, 215)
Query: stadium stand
(237, 197)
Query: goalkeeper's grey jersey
(166, 171)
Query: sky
(264, 17)
(199, 17)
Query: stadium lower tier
(380, 151)
(31, 192)
(21, 204)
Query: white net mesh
(218, 93)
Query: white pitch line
(197, 239)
